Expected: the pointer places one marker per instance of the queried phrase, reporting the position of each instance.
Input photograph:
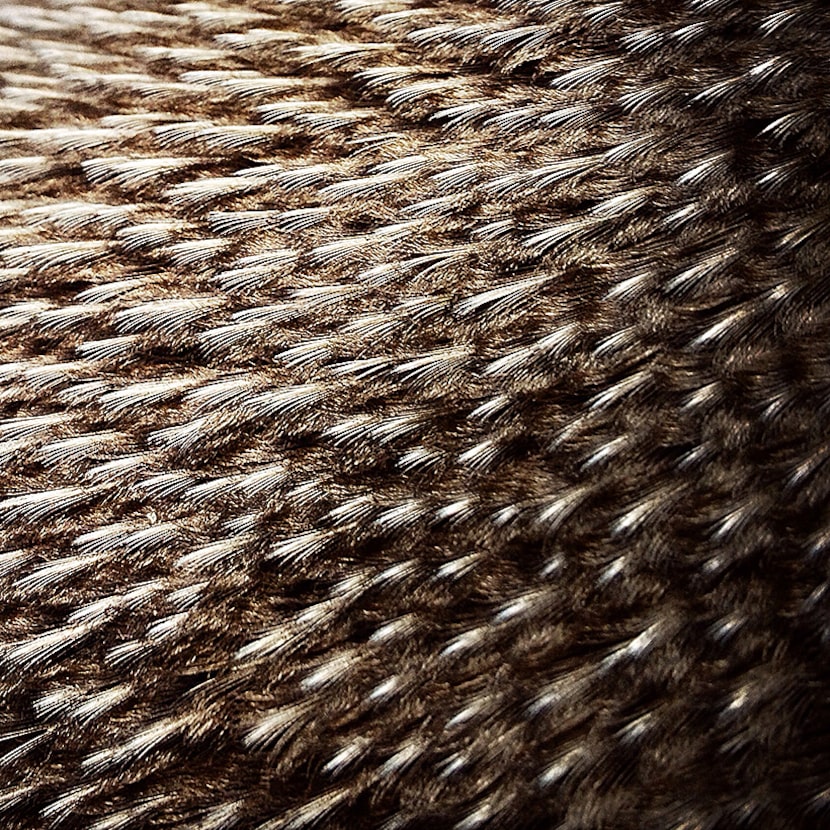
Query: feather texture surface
(414, 414)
